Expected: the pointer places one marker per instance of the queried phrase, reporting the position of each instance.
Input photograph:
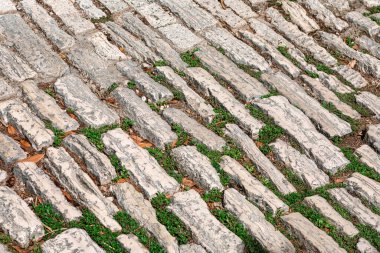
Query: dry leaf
(121, 180)
(19, 249)
(34, 159)
(187, 182)
(68, 196)
(356, 47)
(25, 144)
(351, 64)
(69, 133)
(110, 100)
(339, 180)
(11, 130)
(259, 144)
(174, 143)
(145, 144)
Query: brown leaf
(73, 116)
(187, 182)
(11, 130)
(68, 196)
(19, 249)
(122, 49)
(110, 100)
(259, 144)
(25, 144)
(145, 144)
(34, 159)
(174, 143)
(351, 64)
(356, 47)
(121, 180)
(69, 133)
(339, 180)
(140, 141)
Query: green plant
(183, 136)
(250, 71)
(213, 195)
(94, 135)
(270, 94)
(131, 85)
(349, 98)
(220, 120)
(331, 108)
(126, 124)
(178, 95)
(284, 51)
(160, 63)
(112, 87)
(119, 168)
(311, 74)
(58, 134)
(50, 92)
(350, 42)
(191, 59)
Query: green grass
(220, 120)
(94, 135)
(191, 59)
(213, 195)
(131, 85)
(349, 98)
(160, 63)
(121, 171)
(254, 73)
(102, 19)
(178, 95)
(126, 124)
(154, 107)
(270, 94)
(183, 136)
(372, 10)
(59, 135)
(112, 87)
(284, 52)
(331, 108)
(311, 74)
(50, 92)
(349, 41)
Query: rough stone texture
(298, 16)
(356, 208)
(312, 238)
(365, 187)
(17, 220)
(144, 169)
(241, 8)
(103, 47)
(327, 156)
(6, 91)
(13, 67)
(191, 248)
(254, 221)
(156, 16)
(48, 25)
(86, 105)
(247, 86)
(147, 123)
(153, 90)
(370, 45)
(10, 150)
(7, 6)
(363, 23)
(197, 167)
(140, 209)
(71, 240)
(255, 191)
(263, 164)
(131, 243)
(373, 136)
(46, 108)
(364, 246)
(114, 5)
(352, 76)
(97, 163)
(371, 3)
(323, 207)
(90, 9)
(41, 185)
(206, 229)
(334, 84)
(211, 88)
(181, 37)
(81, 187)
(328, 122)
(3, 177)
(339, 7)
(33, 49)
(369, 157)
(300, 164)
(193, 100)
(4, 249)
(196, 130)
(369, 100)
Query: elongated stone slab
(86, 105)
(339, 7)
(263, 164)
(10, 150)
(46, 107)
(49, 26)
(156, 16)
(356, 208)
(300, 164)
(41, 185)
(369, 157)
(71, 240)
(369, 100)
(17, 220)
(371, 3)
(193, 100)
(325, 95)
(255, 191)
(363, 246)
(7, 6)
(97, 163)
(3, 176)
(328, 122)
(4, 249)
(312, 238)
(131, 243)
(34, 50)
(153, 90)
(300, 39)
(363, 23)
(90, 9)
(80, 186)
(373, 136)
(104, 48)
(365, 187)
(140, 209)
(197, 166)
(299, 16)
(241, 8)
(191, 248)
(144, 169)
(196, 130)
(235, 49)
(206, 229)
(211, 88)
(147, 123)
(352, 76)
(247, 86)
(327, 156)
(6, 91)
(254, 220)
(323, 207)
(114, 5)
(370, 45)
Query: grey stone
(241, 8)
(114, 5)
(10, 150)
(147, 123)
(39, 183)
(206, 229)
(254, 221)
(311, 237)
(364, 246)
(144, 169)
(369, 157)
(369, 100)
(327, 156)
(3, 176)
(334, 84)
(365, 187)
(80, 186)
(373, 136)
(370, 45)
(352, 76)
(17, 220)
(4, 249)
(140, 209)
(197, 167)
(131, 243)
(263, 164)
(329, 213)
(103, 47)
(86, 105)
(6, 91)
(71, 240)
(191, 248)
(90, 9)
(7, 6)
(363, 23)
(196, 130)
(298, 16)
(339, 7)
(96, 162)
(181, 37)
(156, 16)
(371, 3)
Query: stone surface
(3, 177)
(114, 5)
(364, 246)
(369, 157)
(364, 187)
(254, 221)
(90, 9)
(364, 23)
(7, 6)
(80, 186)
(144, 169)
(352, 76)
(181, 37)
(4, 249)
(147, 123)
(10, 150)
(339, 7)
(87, 107)
(206, 229)
(373, 136)
(140, 209)
(156, 16)
(329, 213)
(197, 167)
(17, 219)
(370, 45)
(262, 163)
(103, 47)
(191, 248)
(6, 91)
(71, 240)
(96, 162)
(241, 8)
(298, 16)
(311, 237)
(39, 183)
(131, 243)
(369, 100)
